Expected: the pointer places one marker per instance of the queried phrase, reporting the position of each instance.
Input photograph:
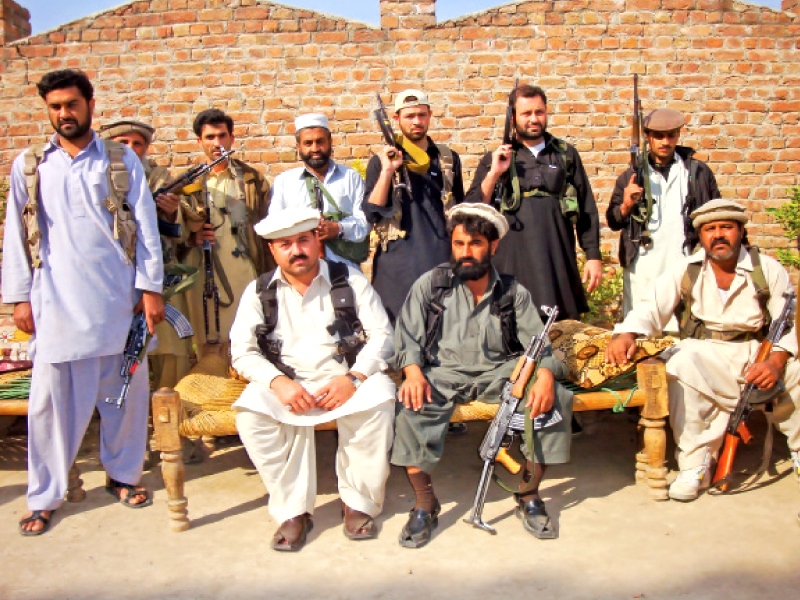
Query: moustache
(716, 241)
(466, 261)
(297, 257)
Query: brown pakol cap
(112, 130)
(664, 119)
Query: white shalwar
(705, 377)
(82, 298)
(281, 443)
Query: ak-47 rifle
(737, 426)
(508, 138)
(506, 423)
(401, 181)
(136, 346)
(173, 229)
(641, 211)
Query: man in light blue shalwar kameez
(80, 299)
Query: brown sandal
(291, 535)
(358, 525)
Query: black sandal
(420, 525)
(535, 519)
(36, 516)
(115, 488)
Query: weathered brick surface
(733, 67)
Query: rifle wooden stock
(728, 454)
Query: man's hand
(631, 195)
(621, 349)
(327, 230)
(335, 393)
(542, 394)
(415, 389)
(23, 317)
(291, 394)
(198, 237)
(766, 374)
(169, 205)
(501, 160)
(152, 304)
(391, 159)
(592, 273)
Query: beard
(722, 254)
(469, 269)
(318, 161)
(72, 129)
(524, 134)
(414, 136)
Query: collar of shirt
(743, 263)
(535, 150)
(94, 146)
(324, 273)
(494, 280)
(333, 170)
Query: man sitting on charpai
(724, 297)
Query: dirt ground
(614, 541)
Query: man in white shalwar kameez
(706, 375)
(77, 292)
(277, 414)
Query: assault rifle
(641, 211)
(136, 346)
(173, 229)
(508, 138)
(506, 423)
(401, 181)
(737, 426)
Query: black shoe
(535, 519)
(577, 430)
(456, 429)
(419, 527)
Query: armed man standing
(334, 189)
(81, 255)
(724, 297)
(546, 196)
(410, 222)
(231, 200)
(169, 361)
(652, 238)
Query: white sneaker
(796, 463)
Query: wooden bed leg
(75, 491)
(650, 461)
(166, 414)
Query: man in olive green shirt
(470, 358)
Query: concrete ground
(614, 541)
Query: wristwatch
(341, 231)
(354, 379)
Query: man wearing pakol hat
(724, 297)
(237, 196)
(335, 190)
(169, 359)
(313, 339)
(679, 183)
(487, 320)
(410, 223)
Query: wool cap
(718, 210)
(112, 130)
(484, 211)
(664, 119)
(311, 120)
(410, 98)
(288, 222)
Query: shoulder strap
(760, 282)
(692, 188)
(266, 290)
(448, 175)
(30, 212)
(124, 225)
(346, 322)
(689, 324)
(441, 286)
(503, 305)
(118, 173)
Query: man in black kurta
(414, 238)
(552, 203)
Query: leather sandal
(291, 535)
(535, 519)
(36, 516)
(115, 488)
(419, 527)
(358, 525)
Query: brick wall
(790, 5)
(733, 67)
(14, 21)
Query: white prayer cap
(311, 120)
(288, 222)
(409, 99)
(484, 211)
